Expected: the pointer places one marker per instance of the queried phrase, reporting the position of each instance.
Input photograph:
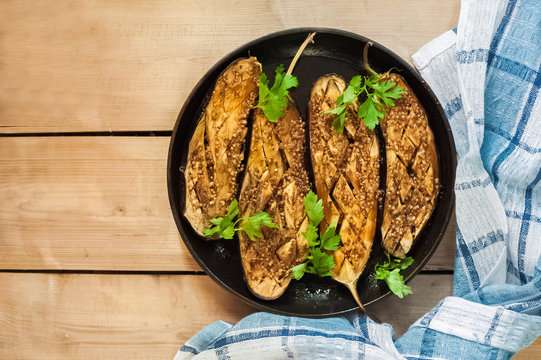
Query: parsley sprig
(390, 272)
(318, 261)
(343, 101)
(273, 101)
(251, 225)
(379, 96)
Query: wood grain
(532, 352)
(139, 316)
(98, 203)
(61, 316)
(114, 65)
(95, 203)
(107, 316)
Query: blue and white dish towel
(487, 75)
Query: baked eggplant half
(216, 149)
(346, 172)
(276, 182)
(412, 171)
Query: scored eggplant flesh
(346, 172)
(216, 149)
(412, 171)
(276, 182)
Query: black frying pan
(334, 51)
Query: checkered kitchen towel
(487, 75)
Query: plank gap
(437, 272)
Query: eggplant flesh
(276, 182)
(346, 172)
(216, 149)
(412, 171)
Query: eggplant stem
(309, 39)
(352, 287)
(365, 58)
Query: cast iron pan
(334, 51)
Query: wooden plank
(147, 316)
(98, 203)
(48, 316)
(444, 256)
(94, 203)
(124, 65)
(140, 316)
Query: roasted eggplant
(346, 172)
(412, 183)
(276, 182)
(216, 150)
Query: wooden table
(91, 263)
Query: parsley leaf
(396, 284)
(251, 225)
(330, 240)
(340, 120)
(352, 91)
(314, 208)
(347, 97)
(390, 272)
(225, 226)
(311, 235)
(298, 271)
(318, 261)
(372, 109)
(403, 263)
(379, 94)
(273, 101)
(371, 112)
(322, 262)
